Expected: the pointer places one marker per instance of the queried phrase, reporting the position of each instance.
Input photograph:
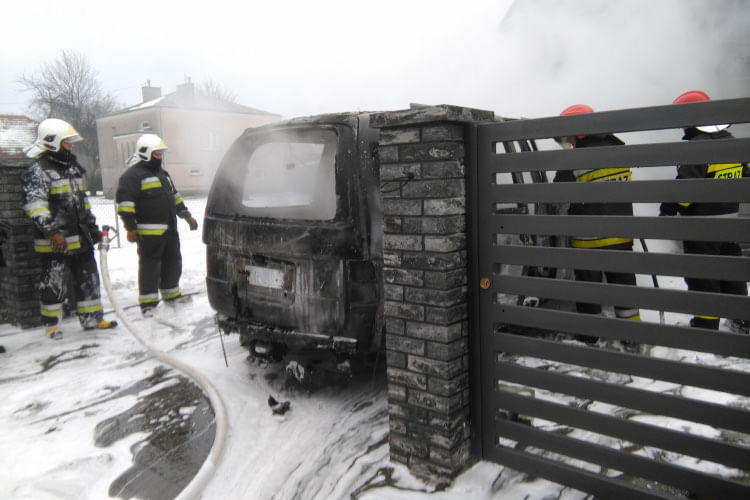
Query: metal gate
(654, 409)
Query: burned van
(293, 233)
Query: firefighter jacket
(148, 201)
(706, 171)
(55, 200)
(597, 175)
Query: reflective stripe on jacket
(148, 201)
(608, 174)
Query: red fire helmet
(576, 109)
(691, 96)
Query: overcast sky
(298, 57)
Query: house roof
(188, 99)
(16, 132)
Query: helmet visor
(712, 128)
(72, 139)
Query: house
(20, 265)
(197, 129)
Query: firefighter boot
(180, 299)
(738, 325)
(103, 325)
(54, 332)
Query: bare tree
(215, 90)
(68, 88)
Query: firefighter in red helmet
(598, 242)
(730, 209)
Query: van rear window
(292, 177)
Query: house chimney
(185, 89)
(150, 93)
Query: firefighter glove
(58, 241)
(192, 223)
(132, 235)
(96, 235)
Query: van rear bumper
(252, 331)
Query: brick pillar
(422, 173)
(19, 300)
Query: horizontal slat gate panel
(546, 392)
(686, 479)
(669, 228)
(636, 191)
(594, 483)
(665, 264)
(717, 379)
(644, 434)
(659, 404)
(723, 305)
(626, 120)
(641, 332)
(717, 151)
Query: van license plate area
(268, 277)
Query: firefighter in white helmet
(149, 205)
(66, 230)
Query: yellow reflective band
(88, 309)
(152, 229)
(606, 174)
(87, 206)
(602, 242)
(147, 301)
(706, 317)
(60, 189)
(178, 200)
(684, 204)
(121, 209)
(51, 313)
(37, 211)
(715, 167)
(170, 295)
(726, 170)
(150, 183)
(43, 248)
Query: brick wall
(422, 168)
(19, 302)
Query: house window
(212, 142)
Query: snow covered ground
(75, 412)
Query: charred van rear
(293, 236)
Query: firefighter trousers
(53, 287)
(715, 286)
(159, 268)
(623, 312)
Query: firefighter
(709, 171)
(149, 205)
(598, 242)
(66, 230)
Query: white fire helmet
(147, 144)
(50, 134)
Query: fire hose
(199, 481)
